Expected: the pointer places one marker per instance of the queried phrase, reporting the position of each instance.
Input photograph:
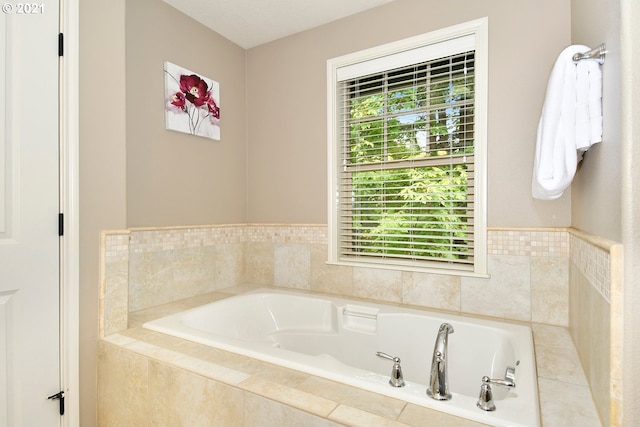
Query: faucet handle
(504, 383)
(396, 379)
(485, 400)
(384, 355)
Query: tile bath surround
(153, 270)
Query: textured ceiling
(250, 23)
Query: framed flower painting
(192, 102)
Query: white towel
(571, 121)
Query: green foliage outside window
(409, 170)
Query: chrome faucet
(439, 381)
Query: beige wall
(286, 85)
(175, 178)
(132, 171)
(597, 188)
(102, 167)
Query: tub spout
(439, 380)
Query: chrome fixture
(510, 373)
(396, 379)
(598, 53)
(485, 400)
(439, 380)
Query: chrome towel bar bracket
(598, 53)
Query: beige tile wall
(594, 276)
(114, 293)
(529, 269)
(170, 264)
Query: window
(407, 125)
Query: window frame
(428, 42)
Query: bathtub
(338, 339)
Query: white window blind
(407, 57)
(405, 179)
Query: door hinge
(58, 396)
(60, 44)
(60, 224)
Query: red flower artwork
(213, 108)
(178, 99)
(194, 89)
(192, 106)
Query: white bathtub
(338, 339)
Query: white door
(29, 207)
